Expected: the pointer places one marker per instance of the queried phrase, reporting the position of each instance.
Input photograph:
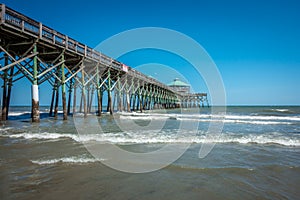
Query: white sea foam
(227, 116)
(52, 136)
(3, 128)
(258, 117)
(262, 120)
(144, 117)
(165, 137)
(236, 121)
(257, 139)
(70, 160)
(44, 135)
(15, 114)
(281, 110)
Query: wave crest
(165, 137)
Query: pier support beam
(63, 88)
(88, 98)
(91, 99)
(120, 96)
(83, 97)
(56, 101)
(133, 97)
(128, 101)
(70, 97)
(99, 93)
(99, 97)
(128, 95)
(7, 85)
(52, 102)
(140, 102)
(10, 81)
(35, 111)
(4, 105)
(109, 101)
(74, 98)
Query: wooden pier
(31, 50)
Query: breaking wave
(165, 137)
(245, 119)
(70, 160)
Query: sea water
(255, 157)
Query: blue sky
(255, 44)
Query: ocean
(257, 155)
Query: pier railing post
(35, 89)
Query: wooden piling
(128, 101)
(10, 80)
(99, 98)
(119, 102)
(114, 101)
(140, 103)
(109, 101)
(74, 99)
(69, 98)
(63, 88)
(91, 100)
(88, 98)
(56, 102)
(81, 102)
(52, 102)
(133, 101)
(99, 92)
(4, 97)
(4, 103)
(35, 112)
(84, 102)
(83, 94)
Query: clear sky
(254, 43)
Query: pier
(32, 50)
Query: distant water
(256, 157)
